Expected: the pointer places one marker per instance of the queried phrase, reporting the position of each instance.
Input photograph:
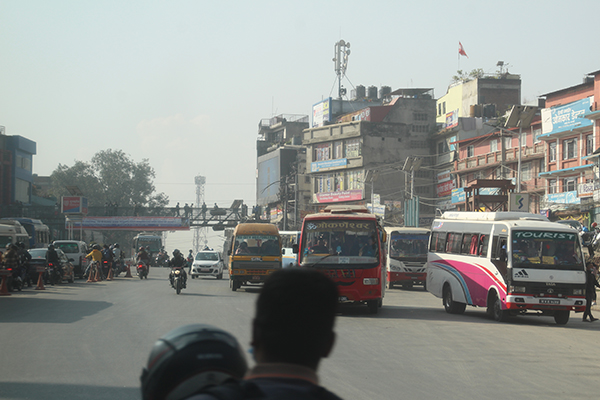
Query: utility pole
(199, 232)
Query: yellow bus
(255, 253)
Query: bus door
(500, 253)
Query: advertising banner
(563, 198)
(133, 223)
(445, 188)
(74, 205)
(328, 164)
(567, 117)
(334, 197)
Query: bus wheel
(497, 312)
(451, 306)
(232, 285)
(390, 285)
(373, 306)
(561, 317)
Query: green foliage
(111, 176)
(463, 76)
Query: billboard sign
(335, 197)
(133, 223)
(74, 205)
(328, 164)
(566, 117)
(563, 198)
(321, 113)
(518, 202)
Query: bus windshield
(264, 245)
(546, 250)
(408, 245)
(341, 241)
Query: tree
(111, 176)
(463, 76)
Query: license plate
(342, 298)
(545, 301)
(256, 278)
(204, 269)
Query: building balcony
(495, 158)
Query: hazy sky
(185, 83)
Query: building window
(442, 147)
(355, 180)
(353, 148)
(542, 167)
(536, 135)
(439, 108)
(569, 148)
(493, 145)
(552, 186)
(507, 142)
(22, 191)
(526, 172)
(338, 150)
(569, 184)
(470, 151)
(552, 152)
(322, 152)
(339, 182)
(444, 107)
(589, 145)
(24, 162)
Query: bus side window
(454, 242)
(483, 245)
(499, 248)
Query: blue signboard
(563, 198)
(566, 117)
(459, 196)
(322, 165)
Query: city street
(91, 340)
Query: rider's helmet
(97, 247)
(190, 358)
(594, 224)
(116, 244)
(141, 248)
(21, 245)
(176, 252)
(50, 247)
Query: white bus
(407, 256)
(11, 232)
(288, 240)
(508, 262)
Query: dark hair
(295, 314)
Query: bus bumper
(528, 302)
(399, 277)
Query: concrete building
(282, 191)
(360, 159)
(16, 162)
(571, 131)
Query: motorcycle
(14, 281)
(117, 267)
(177, 279)
(142, 270)
(162, 260)
(53, 274)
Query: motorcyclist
(96, 256)
(107, 255)
(24, 258)
(177, 262)
(118, 254)
(143, 256)
(52, 258)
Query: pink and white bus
(509, 262)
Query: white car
(207, 263)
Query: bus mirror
(383, 236)
(283, 252)
(228, 252)
(295, 248)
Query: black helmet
(116, 244)
(50, 247)
(97, 247)
(190, 358)
(175, 252)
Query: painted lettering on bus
(544, 235)
(333, 225)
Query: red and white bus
(348, 244)
(407, 256)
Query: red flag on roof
(461, 50)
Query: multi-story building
(282, 190)
(495, 155)
(570, 130)
(361, 159)
(16, 177)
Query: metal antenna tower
(340, 59)
(199, 232)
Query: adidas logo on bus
(522, 274)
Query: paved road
(89, 341)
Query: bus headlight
(371, 281)
(578, 292)
(517, 289)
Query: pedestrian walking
(590, 292)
